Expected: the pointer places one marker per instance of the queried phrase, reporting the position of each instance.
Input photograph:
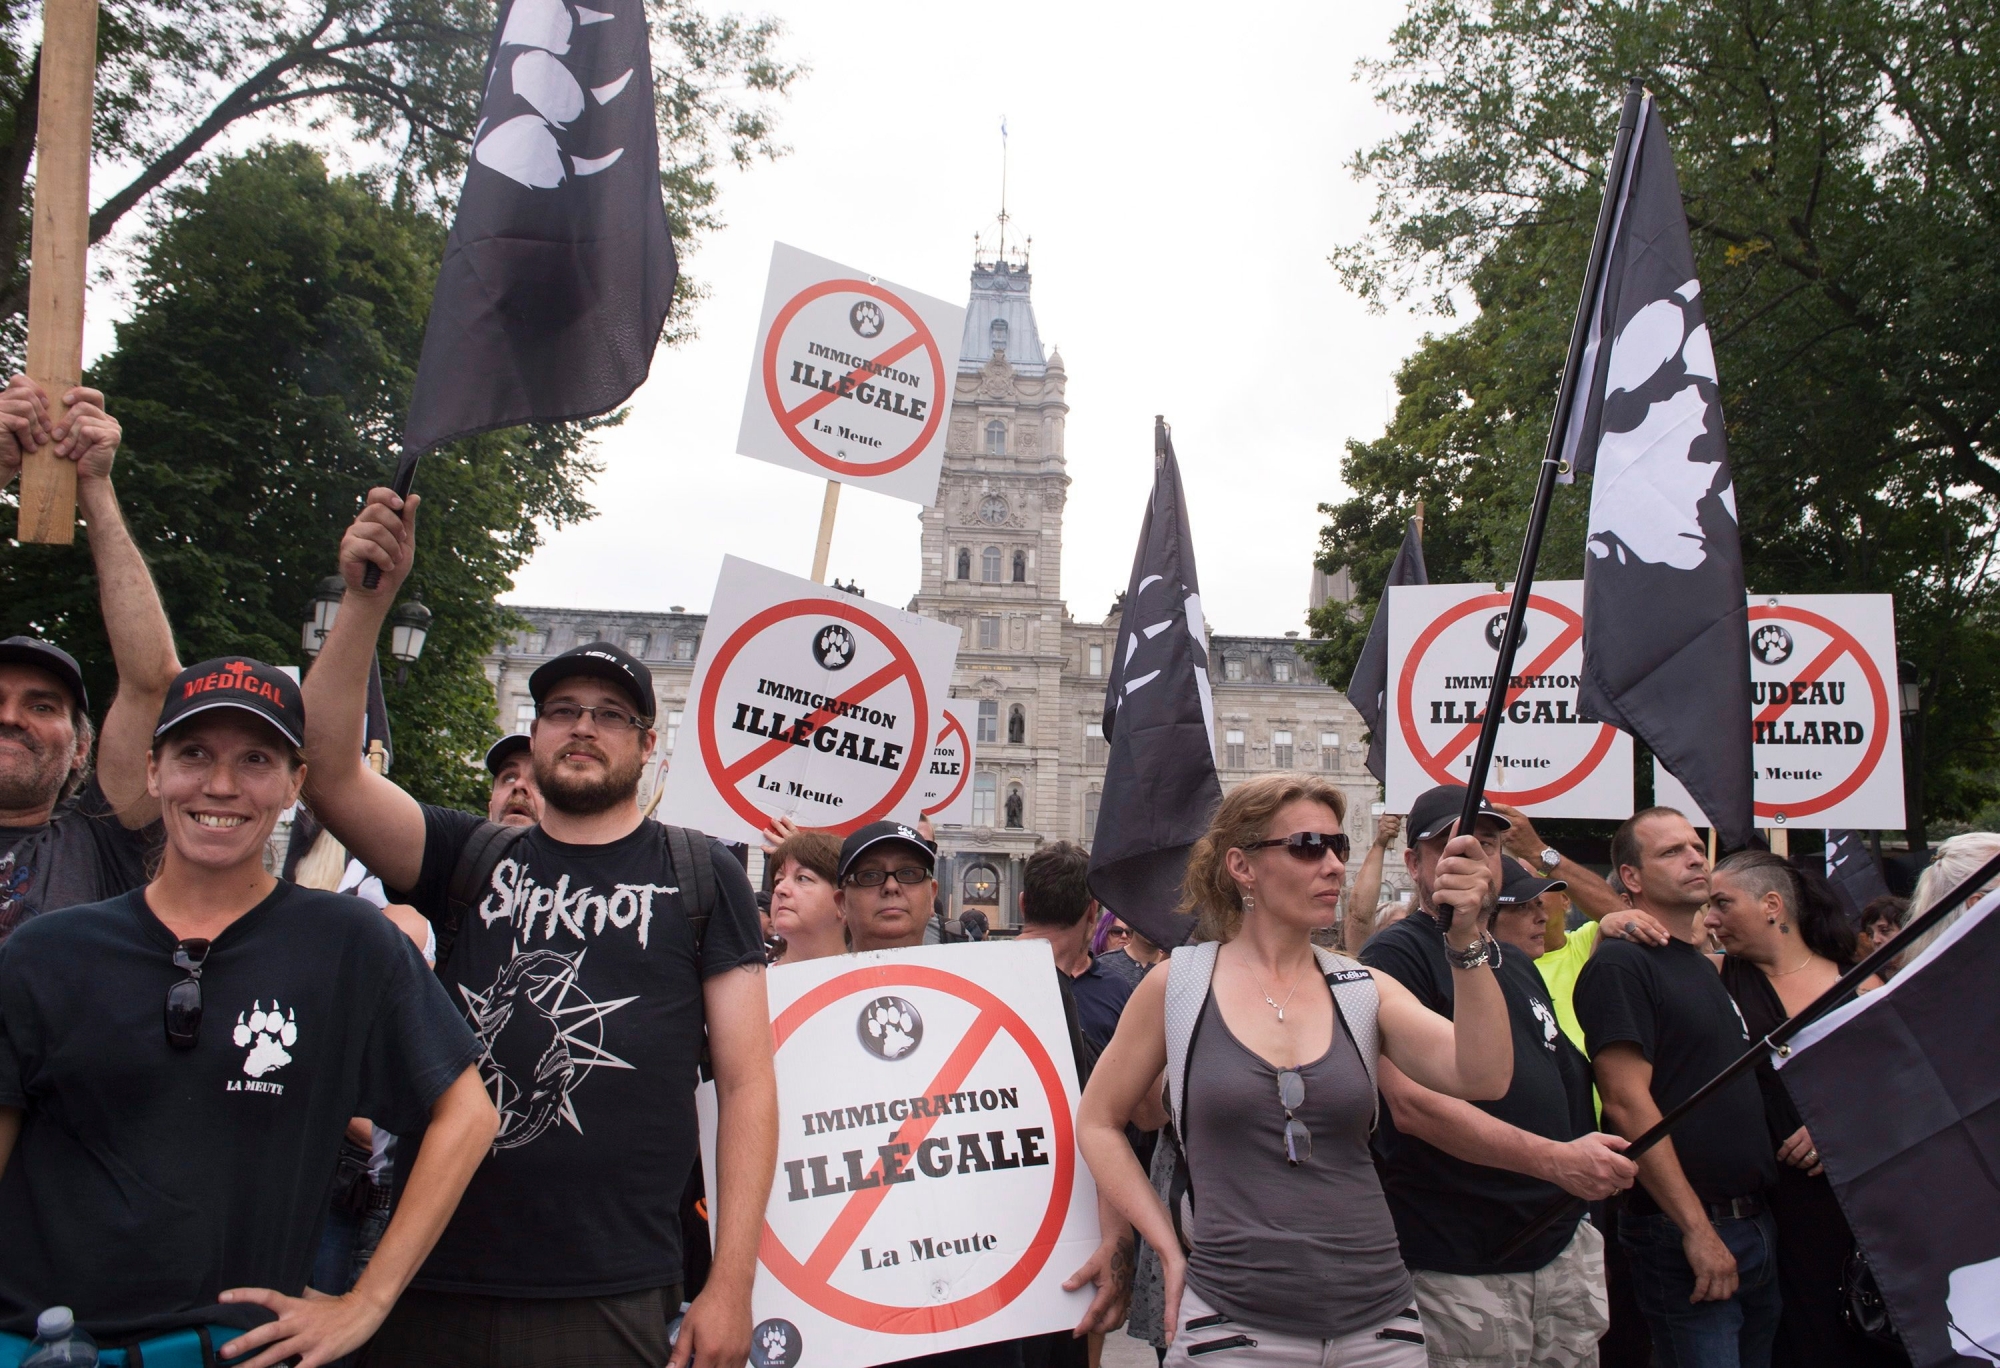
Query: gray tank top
(1306, 1251)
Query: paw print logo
(833, 647)
(268, 1034)
(890, 1028)
(776, 1344)
(526, 148)
(1543, 1014)
(1772, 643)
(866, 318)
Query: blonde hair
(1957, 860)
(1243, 819)
(323, 865)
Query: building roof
(1001, 311)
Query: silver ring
(1812, 1156)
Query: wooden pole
(61, 243)
(1781, 842)
(1420, 519)
(825, 547)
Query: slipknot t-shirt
(577, 972)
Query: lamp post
(408, 626)
(1910, 696)
(325, 607)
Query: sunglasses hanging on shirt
(184, 998)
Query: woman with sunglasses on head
(1282, 1250)
(178, 1065)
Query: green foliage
(261, 384)
(1840, 165)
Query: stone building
(992, 549)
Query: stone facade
(992, 564)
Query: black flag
(1854, 872)
(1901, 1096)
(1368, 687)
(1666, 646)
(559, 267)
(1160, 787)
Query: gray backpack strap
(1188, 974)
(1354, 993)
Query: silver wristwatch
(1550, 858)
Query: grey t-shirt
(1305, 1251)
(82, 854)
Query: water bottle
(59, 1343)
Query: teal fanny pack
(193, 1348)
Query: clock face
(993, 511)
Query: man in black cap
(1463, 1177)
(515, 801)
(69, 834)
(592, 977)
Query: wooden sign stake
(825, 547)
(61, 244)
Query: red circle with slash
(791, 421)
(1841, 643)
(952, 724)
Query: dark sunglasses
(1292, 1096)
(875, 878)
(184, 998)
(1308, 847)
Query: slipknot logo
(517, 898)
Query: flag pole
(825, 547)
(1545, 485)
(1778, 1041)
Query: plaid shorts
(458, 1330)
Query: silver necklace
(1274, 1004)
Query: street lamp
(1909, 688)
(1910, 696)
(408, 626)
(325, 607)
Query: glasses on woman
(1292, 1096)
(184, 998)
(1117, 932)
(1308, 847)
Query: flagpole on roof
(1538, 517)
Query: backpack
(1188, 977)
(491, 843)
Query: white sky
(1183, 176)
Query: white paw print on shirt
(267, 1034)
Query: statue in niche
(1014, 809)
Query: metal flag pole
(1779, 1040)
(1538, 517)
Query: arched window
(964, 563)
(1017, 807)
(1017, 725)
(984, 788)
(996, 438)
(1020, 567)
(989, 565)
(982, 884)
(998, 332)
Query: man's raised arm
(379, 823)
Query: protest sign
(851, 378)
(946, 782)
(1443, 641)
(1825, 719)
(929, 1192)
(808, 703)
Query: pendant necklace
(1276, 1006)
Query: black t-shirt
(147, 1179)
(82, 854)
(1670, 1002)
(1453, 1216)
(578, 975)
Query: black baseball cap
(1435, 813)
(1518, 885)
(236, 682)
(505, 749)
(27, 650)
(599, 660)
(861, 841)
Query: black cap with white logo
(875, 833)
(599, 660)
(236, 682)
(27, 650)
(1519, 885)
(505, 749)
(1437, 811)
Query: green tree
(262, 383)
(1840, 165)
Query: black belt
(1640, 1202)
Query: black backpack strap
(477, 859)
(694, 871)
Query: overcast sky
(1184, 178)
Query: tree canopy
(1840, 166)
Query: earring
(1770, 921)
(1249, 904)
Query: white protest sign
(929, 1192)
(947, 780)
(1549, 762)
(1825, 720)
(807, 703)
(851, 378)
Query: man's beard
(34, 780)
(576, 796)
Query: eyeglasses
(1118, 933)
(875, 878)
(184, 998)
(1292, 1096)
(1308, 847)
(607, 719)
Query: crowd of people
(1314, 1137)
